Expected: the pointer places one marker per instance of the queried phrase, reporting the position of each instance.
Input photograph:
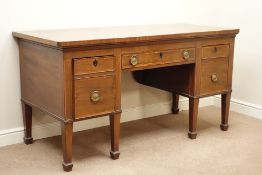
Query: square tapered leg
(115, 134)
(67, 136)
(193, 111)
(175, 107)
(27, 119)
(225, 103)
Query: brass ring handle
(186, 54)
(95, 96)
(133, 60)
(214, 78)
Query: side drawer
(93, 65)
(215, 51)
(214, 76)
(94, 96)
(156, 58)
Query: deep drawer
(94, 96)
(93, 65)
(214, 76)
(158, 57)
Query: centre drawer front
(94, 96)
(144, 59)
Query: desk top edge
(124, 34)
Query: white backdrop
(18, 15)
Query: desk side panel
(41, 70)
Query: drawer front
(93, 65)
(214, 76)
(158, 57)
(94, 96)
(215, 51)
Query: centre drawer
(94, 96)
(136, 60)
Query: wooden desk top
(116, 35)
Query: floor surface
(157, 145)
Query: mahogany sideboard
(75, 74)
